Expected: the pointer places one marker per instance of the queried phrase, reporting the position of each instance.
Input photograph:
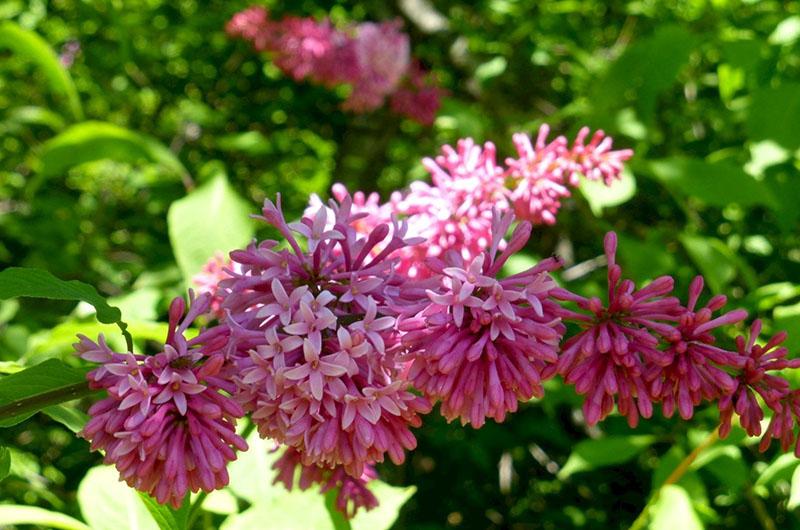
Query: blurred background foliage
(108, 166)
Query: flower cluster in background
(339, 338)
(373, 59)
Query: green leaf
(491, 69)
(32, 47)
(673, 509)
(211, 219)
(24, 393)
(714, 259)
(390, 500)
(725, 463)
(71, 418)
(165, 516)
(780, 469)
(608, 451)
(5, 462)
(716, 184)
(11, 514)
(96, 140)
(647, 68)
(794, 496)
(108, 504)
(251, 143)
(38, 283)
(774, 114)
(600, 196)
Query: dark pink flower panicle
(696, 368)
(166, 424)
(606, 361)
(314, 336)
(754, 379)
(482, 344)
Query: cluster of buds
(337, 339)
(373, 59)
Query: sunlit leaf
(599, 196)
(11, 514)
(5, 462)
(166, 517)
(24, 393)
(108, 504)
(96, 140)
(601, 452)
(211, 219)
(673, 509)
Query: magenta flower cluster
(467, 183)
(340, 337)
(373, 59)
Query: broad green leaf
(30, 46)
(600, 196)
(71, 418)
(726, 464)
(166, 517)
(764, 154)
(714, 259)
(31, 115)
(11, 514)
(5, 462)
(731, 80)
(648, 259)
(716, 184)
(673, 509)
(108, 504)
(37, 283)
(608, 451)
(211, 219)
(96, 140)
(774, 114)
(770, 295)
(648, 67)
(24, 393)
(251, 473)
(690, 481)
(390, 500)
(780, 469)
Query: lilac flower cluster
(373, 59)
(340, 337)
(467, 182)
(168, 423)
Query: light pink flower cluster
(483, 344)
(166, 424)
(313, 329)
(352, 492)
(208, 280)
(374, 59)
(454, 212)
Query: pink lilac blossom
(483, 344)
(541, 174)
(208, 279)
(352, 492)
(695, 370)
(754, 379)
(167, 423)
(314, 339)
(607, 360)
(373, 59)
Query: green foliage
(11, 514)
(183, 123)
(26, 392)
(31, 47)
(212, 219)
